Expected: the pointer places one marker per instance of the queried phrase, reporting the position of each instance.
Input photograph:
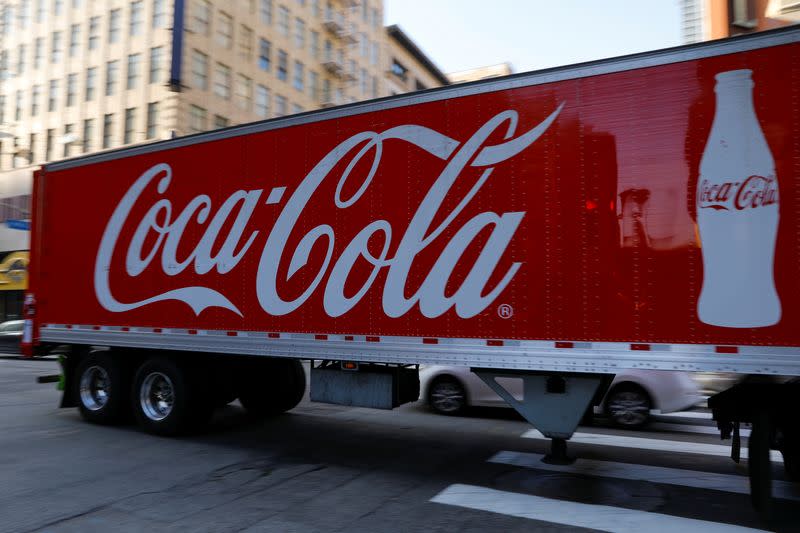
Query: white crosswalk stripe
(689, 415)
(602, 517)
(655, 474)
(641, 443)
(690, 428)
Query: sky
(534, 34)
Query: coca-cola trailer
(554, 226)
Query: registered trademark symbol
(505, 311)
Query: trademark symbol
(505, 311)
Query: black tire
(447, 396)
(101, 386)
(170, 398)
(628, 406)
(271, 386)
(759, 467)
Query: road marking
(654, 474)
(690, 428)
(702, 415)
(602, 517)
(641, 443)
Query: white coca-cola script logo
(750, 193)
(473, 296)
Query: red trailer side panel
(576, 210)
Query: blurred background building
(79, 76)
(481, 73)
(714, 19)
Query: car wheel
(628, 406)
(101, 388)
(447, 396)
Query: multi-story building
(715, 19)
(78, 76)
(481, 73)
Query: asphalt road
(331, 468)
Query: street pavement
(331, 468)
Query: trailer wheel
(101, 388)
(170, 398)
(759, 467)
(272, 386)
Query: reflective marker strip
(602, 517)
(639, 443)
(653, 474)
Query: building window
(91, 83)
(38, 52)
(133, 70)
(326, 91)
(374, 53)
(58, 7)
(264, 48)
(156, 55)
(55, 48)
(265, 11)
(67, 140)
(374, 86)
(283, 20)
(313, 85)
(262, 101)
(244, 92)
(41, 11)
(314, 44)
(36, 95)
(22, 52)
(299, 33)
(137, 14)
(225, 30)
(315, 8)
(88, 133)
(74, 39)
(197, 119)
(280, 106)
(2, 110)
(48, 144)
(283, 61)
(399, 70)
(108, 129)
(114, 25)
(152, 120)
(202, 17)
(160, 14)
(130, 120)
(220, 122)
(363, 81)
(72, 89)
(299, 76)
(32, 142)
(199, 70)
(246, 42)
(222, 81)
(52, 97)
(112, 71)
(18, 105)
(94, 32)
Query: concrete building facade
(78, 76)
(716, 19)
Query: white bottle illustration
(737, 213)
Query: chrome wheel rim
(447, 397)
(157, 396)
(95, 388)
(629, 408)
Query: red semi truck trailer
(554, 226)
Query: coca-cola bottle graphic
(737, 213)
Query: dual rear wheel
(172, 395)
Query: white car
(630, 398)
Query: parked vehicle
(10, 336)
(533, 226)
(630, 398)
